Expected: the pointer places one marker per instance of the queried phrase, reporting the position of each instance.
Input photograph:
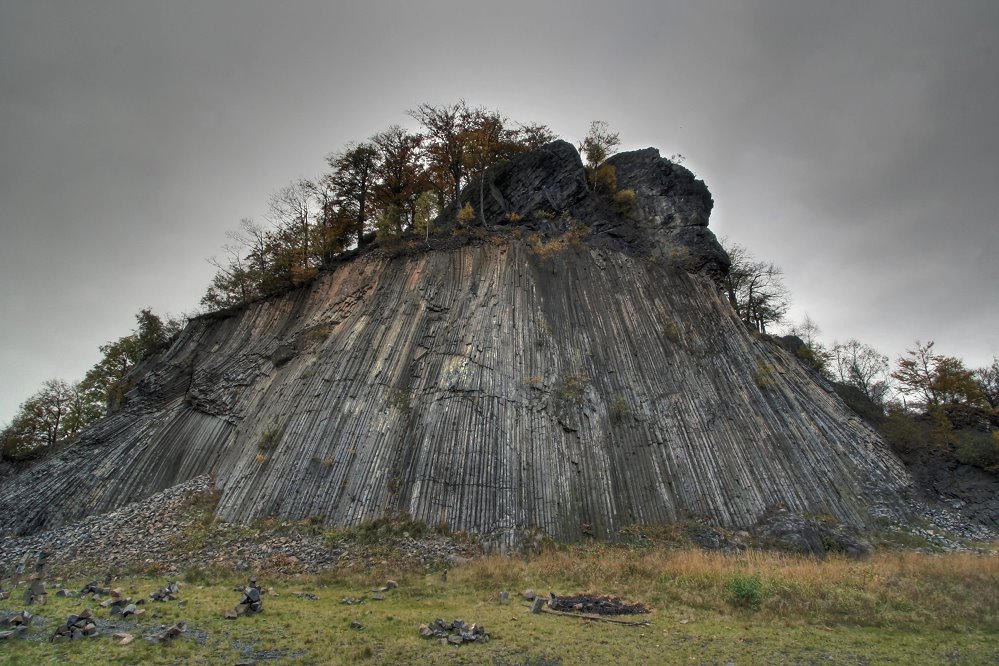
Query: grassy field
(708, 608)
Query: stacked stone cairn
(76, 627)
(35, 594)
(252, 601)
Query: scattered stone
(122, 638)
(453, 633)
(391, 584)
(22, 619)
(504, 597)
(169, 633)
(306, 595)
(66, 593)
(351, 601)
(117, 605)
(356, 625)
(131, 609)
(16, 632)
(378, 597)
(230, 614)
(92, 588)
(537, 605)
(528, 594)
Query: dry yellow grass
(949, 591)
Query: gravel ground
(167, 532)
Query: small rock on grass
(122, 638)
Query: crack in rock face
(490, 387)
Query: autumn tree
(489, 143)
(104, 384)
(60, 410)
(934, 379)
(49, 416)
(353, 179)
(399, 176)
(987, 379)
(333, 225)
(447, 142)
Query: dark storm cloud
(852, 143)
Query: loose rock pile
(168, 593)
(150, 535)
(76, 627)
(454, 633)
(121, 605)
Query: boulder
(549, 179)
(797, 534)
(670, 200)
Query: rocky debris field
(172, 531)
(169, 532)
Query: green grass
(756, 608)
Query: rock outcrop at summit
(490, 387)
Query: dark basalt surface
(490, 389)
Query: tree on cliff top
(598, 144)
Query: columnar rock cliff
(497, 385)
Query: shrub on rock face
(466, 214)
(624, 200)
(603, 178)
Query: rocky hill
(572, 371)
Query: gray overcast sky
(855, 144)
